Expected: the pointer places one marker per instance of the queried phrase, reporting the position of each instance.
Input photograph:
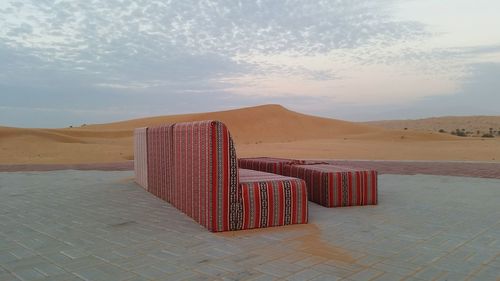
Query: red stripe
(294, 201)
(303, 190)
(330, 189)
(358, 188)
(270, 204)
(246, 209)
(365, 185)
(256, 222)
(225, 193)
(339, 189)
(214, 181)
(281, 207)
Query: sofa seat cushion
(267, 164)
(272, 200)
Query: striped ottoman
(335, 186)
(327, 185)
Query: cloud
(478, 95)
(110, 37)
(161, 57)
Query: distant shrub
(488, 135)
(442, 131)
(406, 129)
(460, 133)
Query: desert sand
(472, 124)
(268, 130)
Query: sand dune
(263, 130)
(269, 123)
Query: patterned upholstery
(334, 186)
(272, 200)
(206, 175)
(159, 153)
(194, 167)
(327, 185)
(141, 159)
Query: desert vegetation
(462, 126)
(491, 133)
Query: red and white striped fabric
(205, 175)
(267, 164)
(327, 185)
(141, 157)
(193, 166)
(160, 161)
(272, 200)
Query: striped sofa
(327, 185)
(193, 166)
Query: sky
(67, 63)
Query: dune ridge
(269, 130)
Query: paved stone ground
(83, 225)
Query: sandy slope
(264, 130)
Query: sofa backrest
(193, 166)
(205, 174)
(160, 161)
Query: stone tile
(453, 265)
(28, 274)
(81, 263)
(241, 275)
(29, 262)
(327, 277)
(103, 272)
(332, 270)
(307, 274)
(399, 268)
(264, 277)
(138, 278)
(57, 258)
(487, 273)
(389, 277)
(430, 273)
(49, 269)
(495, 262)
(8, 276)
(273, 270)
(6, 257)
(182, 275)
(151, 272)
(370, 260)
(211, 270)
(20, 252)
(62, 277)
(365, 275)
